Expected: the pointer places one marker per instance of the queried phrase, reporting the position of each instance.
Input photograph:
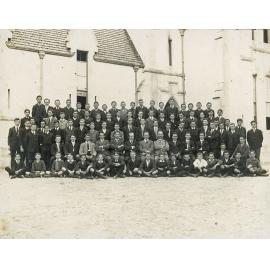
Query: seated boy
(133, 165)
(239, 166)
(82, 168)
(69, 166)
(187, 165)
(226, 167)
(38, 167)
(17, 168)
(175, 168)
(162, 166)
(57, 166)
(148, 167)
(254, 167)
(200, 165)
(117, 165)
(100, 167)
(213, 165)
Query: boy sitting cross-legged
(117, 165)
(213, 165)
(69, 166)
(239, 167)
(200, 165)
(162, 166)
(82, 168)
(254, 167)
(187, 165)
(100, 167)
(148, 167)
(57, 166)
(175, 168)
(226, 167)
(133, 165)
(17, 168)
(38, 167)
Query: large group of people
(137, 141)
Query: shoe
(13, 176)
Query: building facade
(230, 68)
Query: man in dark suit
(72, 148)
(57, 147)
(141, 129)
(194, 132)
(57, 109)
(38, 110)
(95, 111)
(175, 146)
(171, 109)
(31, 146)
(57, 131)
(222, 134)
(105, 130)
(240, 129)
(47, 106)
(14, 139)
(160, 109)
(255, 139)
(25, 118)
(202, 145)
(68, 110)
(212, 137)
(208, 109)
(80, 132)
(142, 108)
(181, 132)
(232, 139)
(188, 146)
(131, 145)
(46, 141)
(129, 128)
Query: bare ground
(135, 208)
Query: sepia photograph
(134, 133)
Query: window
(266, 36)
(82, 56)
(170, 51)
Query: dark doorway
(82, 100)
(175, 103)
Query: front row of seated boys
(117, 166)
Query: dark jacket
(255, 139)
(14, 138)
(32, 142)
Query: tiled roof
(115, 46)
(51, 41)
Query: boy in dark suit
(72, 148)
(240, 129)
(38, 110)
(25, 118)
(162, 166)
(69, 166)
(14, 139)
(117, 166)
(46, 141)
(100, 167)
(133, 165)
(226, 167)
(255, 139)
(17, 168)
(174, 166)
(148, 167)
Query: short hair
(253, 121)
(211, 153)
(226, 151)
(220, 110)
(39, 96)
(252, 151)
(27, 110)
(37, 154)
(239, 120)
(16, 119)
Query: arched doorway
(175, 102)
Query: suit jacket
(118, 146)
(98, 125)
(232, 140)
(241, 132)
(68, 133)
(131, 165)
(213, 139)
(143, 109)
(169, 111)
(94, 112)
(47, 109)
(202, 130)
(93, 135)
(80, 134)
(102, 147)
(220, 119)
(14, 138)
(59, 132)
(23, 120)
(55, 150)
(84, 150)
(150, 122)
(126, 131)
(140, 132)
(203, 147)
(174, 148)
(162, 124)
(107, 133)
(57, 111)
(151, 166)
(32, 142)
(255, 139)
(194, 133)
(146, 146)
(46, 141)
(197, 113)
(74, 150)
(23, 133)
(189, 120)
(50, 122)
(134, 146)
(181, 134)
(222, 136)
(206, 113)
(188, 148)
(68, 112)
(38, 111)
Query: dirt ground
(135, 208)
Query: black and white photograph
(125, 133)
